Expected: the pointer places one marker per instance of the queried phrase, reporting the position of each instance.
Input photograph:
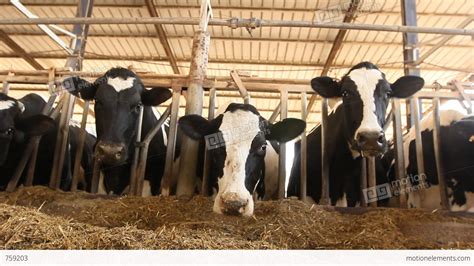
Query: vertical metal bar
(80, 147)
(363, 180)
(169, 177)
(438, 156)
(399, 157)
(325, 197)
(371, 176)
(282, 154)
(207, 161)
(95, 176)
(420, 161)
(136, 154)
(410, 48)
(303, 150)
(6, 87)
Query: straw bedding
(40, 218)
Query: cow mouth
(370, 153)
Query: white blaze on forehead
(238, 128)
(366, 81)
(6, 104)
(120, 84)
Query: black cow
(237, 140)
(118, 96)
(355, 130)
(19, 121)
(457, 157)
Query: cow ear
(286, 130)
(155, 96)
(197, 127)
(326, 87)
(80, 87)
(35, 125)
(406, 86)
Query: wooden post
(303, 151)
(207, 162)
(74, 62)
(399, 157)
(371, 176)
(197, 73)
(282, 154)
(325, 197)
(438, 155)
(80, 147)
(169, 177)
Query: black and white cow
(355, 130)
(118, 96)
(457, 157)
(238, 139)
(19, 121)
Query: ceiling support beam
(150, 5)
(20, 51)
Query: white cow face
(237, 143)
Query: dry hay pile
(40, 218)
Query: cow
(457, 160)
(237, 141)
(355, 129)
(19, 121)
(118, 96)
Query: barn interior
(262, 52)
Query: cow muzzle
(111, 153)
(371, 143)
(233, 204)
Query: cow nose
(110, 152)
(371, 140)
(233, 204)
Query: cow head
(118, 94)
(236, 140)
(13, 127)
(365, 96)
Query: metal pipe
(169, 177)
(438, 154)
(363, 180)
(80, 147)
(325, 197)
(399, 158)
(237, 23)
(141, 167)
(303, 151)
(275, 113)
(282, 153)
(420, 161)
(207, 162)
(136, 154)
(371, 176)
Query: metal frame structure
(197, 82)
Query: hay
(39, 218)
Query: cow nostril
(381, 138)
(118, 156)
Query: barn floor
(40, 218)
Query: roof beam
(349, 17)
(150, 5)
(19, 50)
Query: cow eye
(262, 149)
(137, 107)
